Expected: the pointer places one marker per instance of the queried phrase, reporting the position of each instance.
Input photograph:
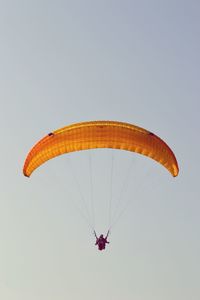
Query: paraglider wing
(100, 134)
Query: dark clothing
(101, 242)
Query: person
(101, 241)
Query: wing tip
(25, 174)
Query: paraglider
(101, 241)
(100, 134)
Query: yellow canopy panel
(100, 134)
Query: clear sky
(64, 62)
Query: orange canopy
(100, 134)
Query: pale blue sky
(70, 61)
